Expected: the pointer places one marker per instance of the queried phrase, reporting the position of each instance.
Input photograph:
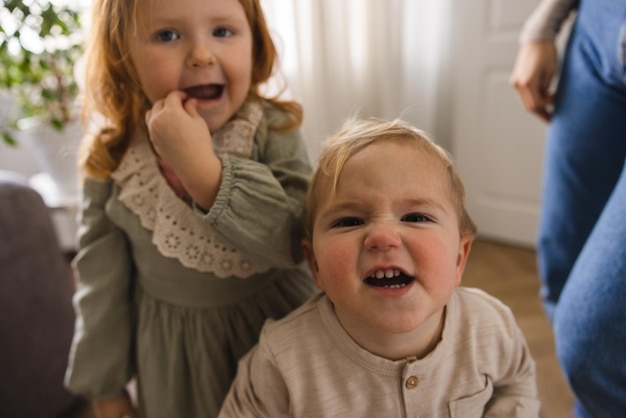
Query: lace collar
(177, 230)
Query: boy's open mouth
(392, 279)
(205, 92)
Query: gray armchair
(36, 315)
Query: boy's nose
(382, 237)
(200, 55)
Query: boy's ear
(464, 250)
(307, 248)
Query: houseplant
(40, 45)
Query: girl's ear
(307, 248)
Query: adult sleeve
(546, 20)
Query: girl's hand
(118, 407)
(182, 139)
(176, 130)
(532, 75)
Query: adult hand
(118, 407)
(535, 67)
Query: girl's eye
(222, 32)
(167, 36)
(415, 217)
(347, 222)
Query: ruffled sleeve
(101, 355)
(260, 204)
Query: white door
(498, 146)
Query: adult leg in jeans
(583, 226)
(585, 147)
(590, 319)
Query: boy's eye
(347, 222)
(222, 32)
(167, 36)
(415, 217)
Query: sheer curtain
(366, 58)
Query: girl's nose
(200, 55)
(382, 237)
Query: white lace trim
(177, 231)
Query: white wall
(18, 159)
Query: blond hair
(113, 92)
(355, 135)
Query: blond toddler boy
(391, 334)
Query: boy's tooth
(381, 274)
(394, 286)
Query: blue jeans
(582, 233)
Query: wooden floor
(509, 273)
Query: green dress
(174, 296)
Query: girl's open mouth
(205, 92)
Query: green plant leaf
(8, 139)
(42, 82)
